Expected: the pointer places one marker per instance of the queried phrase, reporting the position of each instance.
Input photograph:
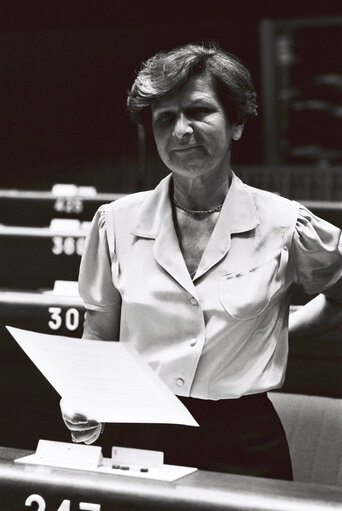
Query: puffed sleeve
(95, 278)
(316, 252)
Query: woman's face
(192, 133)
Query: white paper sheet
(107, 381)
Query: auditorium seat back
(313, 426)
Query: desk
(32, 258)
(199, 491)
(42, 311)
(36, 208)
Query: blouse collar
(154, 220)
(238, 212)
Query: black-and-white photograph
(171, 255)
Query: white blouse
(223, 334)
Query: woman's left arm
(321, 314)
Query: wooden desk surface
(198, 491)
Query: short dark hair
(165, 73)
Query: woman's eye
(199, 111)
(165, 117)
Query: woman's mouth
(185, 149)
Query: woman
(196, 274)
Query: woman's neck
(199, 193)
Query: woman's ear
(237, 130)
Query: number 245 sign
(65, 505)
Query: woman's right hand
(82, 429)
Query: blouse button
(193, 301)
(180, 382)
(193, 342)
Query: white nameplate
(67, 455)
(137, 457)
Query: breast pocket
(246, 294)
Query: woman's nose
(182, 127)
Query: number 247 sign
(65, 505)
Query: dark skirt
(240, 436)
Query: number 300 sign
(65, 505)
